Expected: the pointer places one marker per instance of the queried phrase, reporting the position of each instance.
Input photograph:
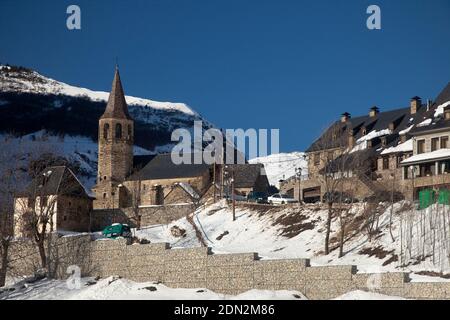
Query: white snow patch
(364, 295)
(401, 147)
(425, 122)
(115, 288)
(438, 154)
(374, 134)
(440, 108)
(405, 131)
(281, 166)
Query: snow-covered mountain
(30, 102)
(282, 166)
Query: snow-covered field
(282, 166)
(293, 232)
(114, 288)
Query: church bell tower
(115, 147)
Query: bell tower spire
(115, 147)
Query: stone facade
(223, 273)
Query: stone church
(125, 180)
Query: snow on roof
(440, 108)
(423, 157)
(374, 134)
(425, 122)
(405, 131)
(401, 147)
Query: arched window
(105, 131)
(118, 131)
(129, 131)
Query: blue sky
(288, 64)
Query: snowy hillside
(12, 80)
(30, 102)
(81, 152)
(282, 166)
(293, 232)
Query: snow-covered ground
(282, 166)
(114, 288)
(293, 232)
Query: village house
(55, 194)
(429, 165)
(384, 144)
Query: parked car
(258, 197)
(338, 197)
(236, 197)
(117, 230)
(280, 198)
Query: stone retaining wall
(150, 215)
(223, 273)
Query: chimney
(345, 116)
(415, 104)
(351, 138)
(374, 111)
(429, 103)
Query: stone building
(125, 180)
(383, 141)
(249, 177)
(55, 193)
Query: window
(104, 195)
(444, 142)
(420, 146)
(43, 201)
(118, 131)
(105, 131)
(316, 159)
(434, 144)
(31, 203)
(129, 131)
(446, 113)
(385, 163)
(383, 141)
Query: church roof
(117, 106)
(162, 167)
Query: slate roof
(162, 167)
(57, 180)
(117, 107)
(438, 123)
(246, 175)
(401, 118)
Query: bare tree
(328, 148)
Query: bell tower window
(129, 131)
(118, 131)
(105, 131)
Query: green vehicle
(117, 230)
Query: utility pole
(214, 180)
(232, 194)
